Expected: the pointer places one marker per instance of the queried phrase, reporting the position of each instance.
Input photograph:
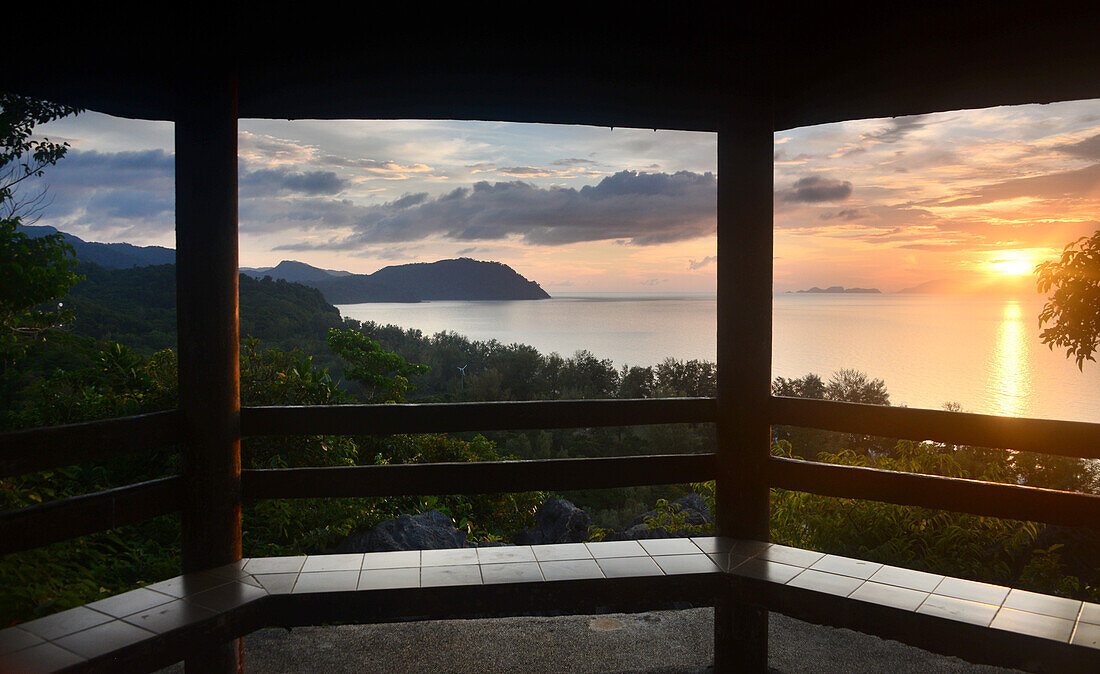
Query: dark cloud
(896, 130)
(273, 182)
(85, 170)
(781, 156)
(642, 208)
(572, 161)
(525, 171)
(847, 214)
(699, 264)
(1066, 186)
(815, 189)
(97, 191)
(126, 204)
(1088, 148)
(411, 200)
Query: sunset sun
(1012, 263)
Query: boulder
(427, 531)
(695, 512)
(559, 521)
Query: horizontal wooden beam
(990, 499)
(55, 446)
(480, 416)
(1046, 436)
(63, 519)
(489, 477)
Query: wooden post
(745, 146)
(209, 358)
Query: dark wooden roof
(669, 65)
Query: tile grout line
(1076, 623)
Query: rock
(559, 521)
(695, 512)
(427, 531)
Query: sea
(982, 352)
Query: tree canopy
(1073, 309)
(33, 271)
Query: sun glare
(1012, 263)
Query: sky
(966, 197)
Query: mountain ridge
(462, 279)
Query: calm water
(982, 352)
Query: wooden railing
(44, 448)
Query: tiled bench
(157, 625)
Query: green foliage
(137, 307)
(21, 154)
(383, 375)
(1073, 310)
(33, 271)
(1007, 552)
(45, 580)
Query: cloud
(271, 182)
(815, 189)
(260, 148)
(1067, 186)
(132, 169)
(1088, 148)
(572, 161)
(527, 171)
(132, 191)
(705, 262)
(847, 214)
(382, 169)
(642, 208)
(896, 130)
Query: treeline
(463, 369)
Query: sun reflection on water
(1009, 364)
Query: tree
(33, 271)
(1073, 310)
(807, 386)
(383, 375)
(853, 386)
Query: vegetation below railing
(70, 378)
(1027, 555)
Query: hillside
(137, 307)
(359, 288)
(293, 271)
(108, 255)
(459, 279)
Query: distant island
(839, 289)
(458, 279)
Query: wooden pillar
(745, 147)
(209, 359)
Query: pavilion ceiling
(648, 66)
